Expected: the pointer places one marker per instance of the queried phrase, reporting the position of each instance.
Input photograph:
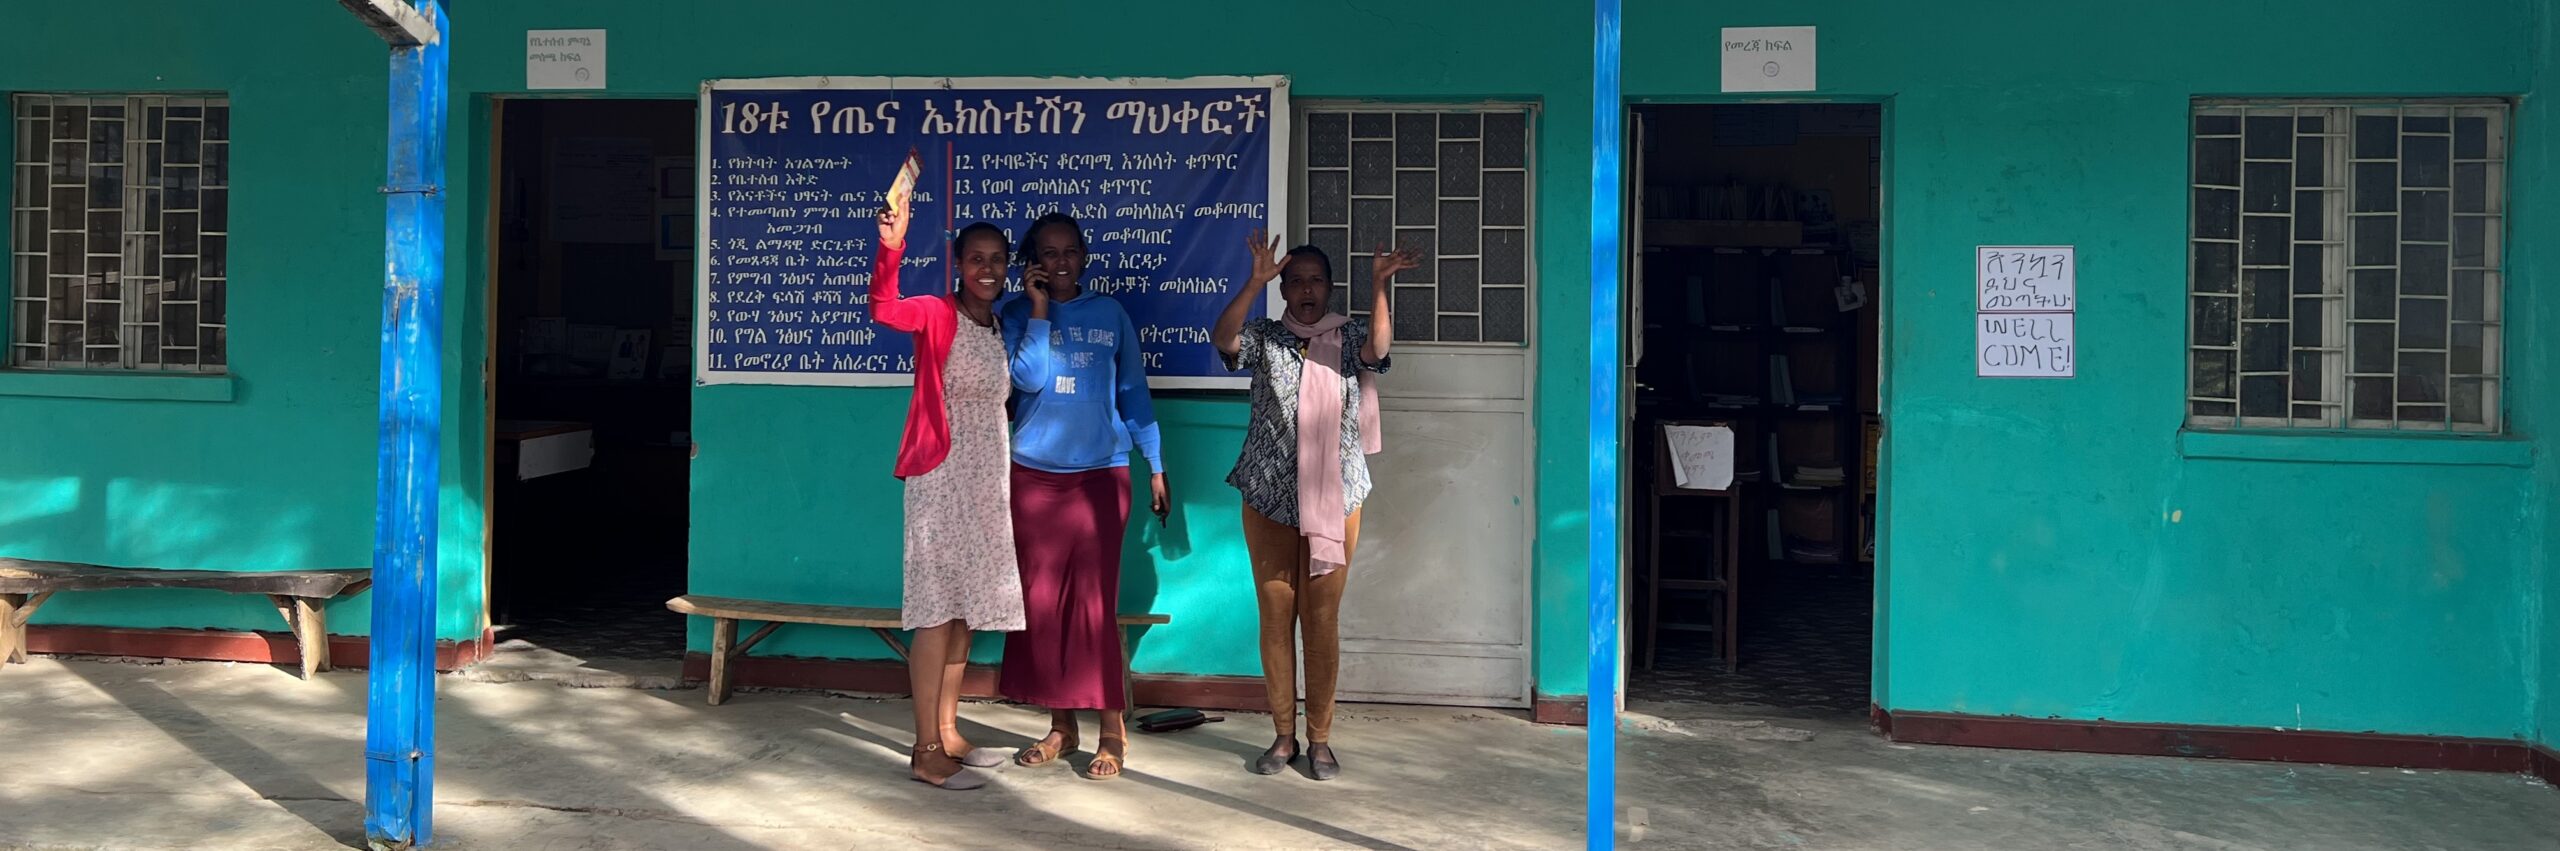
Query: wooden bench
(299, 595)
(726, 612)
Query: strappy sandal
(1043, 752)
(929, 765)
(1107, 754)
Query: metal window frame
(131, 316)
(2336, 295)
(1298, 226)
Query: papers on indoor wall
(1701, 456)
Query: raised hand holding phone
(901, 197)
(1035, 286)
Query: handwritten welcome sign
(2025, 301)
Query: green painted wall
(785, 506)
(2052, 551)
(2538, 141)
(281, 475)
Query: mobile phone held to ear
(902, 191)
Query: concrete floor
(199, 755)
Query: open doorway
(590, 329)
(1753, 314)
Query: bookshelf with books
(1767, 339)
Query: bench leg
(1128, 670)
(15, 609)
(890, 637)
(13, 632)
(724, 636)
(311, 627)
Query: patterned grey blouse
(1267, 468)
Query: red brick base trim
(2546, 765)
(2299, 746)
(269, 648)
(1569, 710)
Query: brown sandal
(1044, 752)
(1113, 752)
(928, 764)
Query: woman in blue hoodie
(1080, 405)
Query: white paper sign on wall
(2025, 278)
(2025, 300)
(2025, 345)
(1768, 59)
(1701, 456)
(564, 59)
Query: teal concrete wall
(2051, 549)
(785, 506)
(2538, 141)
(281, 474)
(2057, 549)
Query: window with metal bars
(1452, 183)
(2345, 265)
(119, 218)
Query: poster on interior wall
(1167, 177)
(630, 354)
(672, 232)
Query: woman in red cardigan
(955, 459)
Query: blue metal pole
(399, 743)
(1607, 140)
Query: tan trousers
(1293, 603)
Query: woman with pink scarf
(1304, 471)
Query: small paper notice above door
(1701, 456)
(563, 59)
(1768, 59)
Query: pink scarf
(1320, 397)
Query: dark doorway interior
(591, 325)
(1759, 290)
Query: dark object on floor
(1175, 719)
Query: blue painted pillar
(399, 741)
(1607, 140)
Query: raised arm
(1264, 256)
(908, 314)
(1383, 267)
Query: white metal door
(1438, 607)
